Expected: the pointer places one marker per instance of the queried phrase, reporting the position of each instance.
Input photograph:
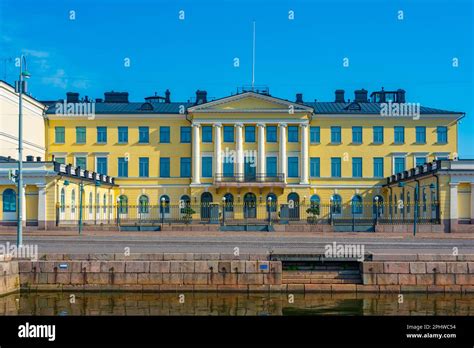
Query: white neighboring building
(33, 124)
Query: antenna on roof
(253, 57)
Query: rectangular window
(421, 135)
(164, 135)
(206, 167)
(357, 135)
(314, 167)
(81, 162)
(315, 135)
(228, 134)
(102, 135)
(164, 167)
(399, 165)
(249, 134)
(378, 134)
(378, 167)
(271, 166)
(185, 167)
(60, 160)
(336, 135)
(102, 165)
(123, 167)
(357, 167)
(228, 168)
(59, 135)
(123, 135)
(292, 134)
(185, 135)
(143, 135)
(419, 161)
(206, 134)
(293, 167)
(271, 134)
(399, 134)
(80, 135)
(442, 132)
(144, 167)
(335, 167)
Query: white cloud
(58, 79)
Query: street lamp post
(20, 87)
(376, 209)
(162, 211)
(269, 201)
(223, 211)
(331, 200)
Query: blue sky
(303, 55)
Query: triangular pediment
(249, 102)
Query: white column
(261, 152)
(282, 155)
(42, 207)
(239, 169)
(453, 202)
(217, 150)
(304, 177)
(196, 161)
(472, 202)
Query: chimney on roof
(401, 96)
(167, 96)
(201, 97)
(116, 97)
(72, 97)
(299, 98)
(340, 96)
(360, 96)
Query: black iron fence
(249, 213)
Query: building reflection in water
(233, 304)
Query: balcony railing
(250, 178)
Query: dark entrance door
(250, 206)
(206, 200)
(294, 206)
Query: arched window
(63, 200)
(90, 202)
(184, 202)
(273, 203)
(143, 204)
(336, 204)
(123, 204)
(314, 201)
(105, 203)
(229, 202)
(73, 201)
(97, 203)
(315, 204)
(357, 204)
(165, 204)
(9, 201)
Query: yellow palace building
(377, 163)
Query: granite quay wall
(177, 272)
(151, 272)
(9, 276)
(419, 273)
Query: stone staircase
(323, 274)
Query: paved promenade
(247, 242)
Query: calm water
(57, 303)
